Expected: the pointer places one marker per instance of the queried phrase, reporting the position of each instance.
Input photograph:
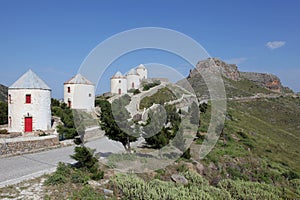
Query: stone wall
(15, 146)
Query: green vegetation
(160, 97)
(115, 129)
(250, 190)
(85, 169)
(165, 134)
(3, 112)
(147, 86)
(259, 143)
(67, 130)
(3, 93)
(133, 187)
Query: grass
(160, 97)
(260, 142)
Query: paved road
(18, 168)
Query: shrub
(150, 85)
(3, 112)
(3, 131)
(88, 193)
(60, 175)
(137, 91)
(249, 190)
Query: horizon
(53, 38)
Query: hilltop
(3, 93)
(237, 83)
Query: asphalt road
(18, 168)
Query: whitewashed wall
(133, 79)
(39, 109)
(118, 83)
(142, 73)
(82, 96)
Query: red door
(28, 124)
(120, 91)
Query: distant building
(79, 93)
(29, 104)
(120, 84)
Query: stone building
(29, 104)
(79, 93)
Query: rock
(108, 192)
(179, 179)
(94, 184)
(212, 166)
(228, 70)
(200, 168)
(268, 81)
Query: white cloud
(236, 61)
(275, 44)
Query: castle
(120, 84)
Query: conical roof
(30, 80)
(118, 75)
(79, 79)
(132, 72)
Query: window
(90, 95)
(28, 98)
(119, 81)
(9, 122)
(9, 98)
(69, 89)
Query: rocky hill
(237, 84)
(3, 93)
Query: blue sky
(54, 37)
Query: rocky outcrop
(227, 70)
(230, 71)
(269, 81)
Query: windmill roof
(30, 80)
(132, 72)
(118, 75)
(79, 79)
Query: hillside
(3, 93)
(255, 157)
(260, 139)
(237, 84)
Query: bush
(249, 190)
(133, 187)
(150, 85)
(88, 193)
(137, 91)
(60, 175)
(3, 112)
(3, 131)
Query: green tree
(3, 112)
(85, 158)
(61, 110)
(115, 121)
